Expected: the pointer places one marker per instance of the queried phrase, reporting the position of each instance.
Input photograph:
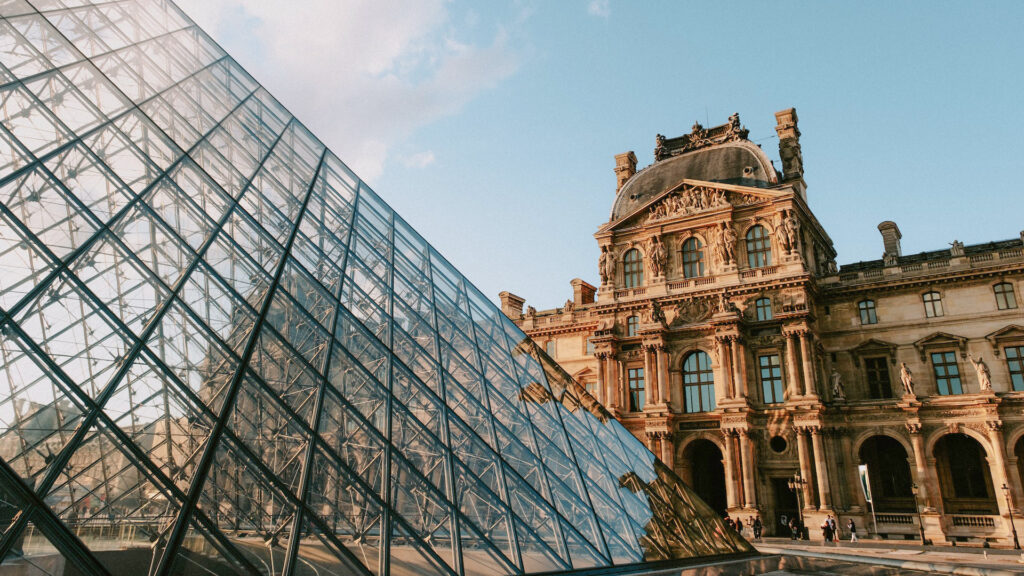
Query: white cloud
(601, 8)
(362, 74)
(419, 159)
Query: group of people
(753, 523)
(830, 529)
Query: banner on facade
(865, 483)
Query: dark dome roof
(741, 162)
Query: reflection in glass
(223, 353)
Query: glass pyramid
(222, 353)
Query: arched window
(633, 268)
(932, 304)
(1005, 300)
(889, 473)
(759, 247)
(964, 476)
(867, 312)
(763, 307)
(632, 324)
(698, 383)
(693, 258)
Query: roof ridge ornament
(699, 137)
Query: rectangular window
(636, 389)
(932, 305)
(632, 324)
(867, 312)
(763, 306)
(947, 373)
(1015, 361)
(771, 378)
(879, 385)
(590, 347)
(550, 348)
(1005, 300)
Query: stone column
(650, 378)
(723, 368)
(792, 374)
(614, 391)
(821, 466)
(668, 451)
(998, 462)
(661, 353)
(602, 378)
(806, 349)
(729, 461)
(920, 466)
(805, 468)
(746, 453)
(739, 368)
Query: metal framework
(222, 353)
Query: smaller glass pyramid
(222, 353)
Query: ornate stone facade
(725, 336)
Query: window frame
(632, 268)
(759, 247)
(943, 380)
(932, 300)
(632, 325)
(1014, 354)
(693, 256)
(874, 387)
(777, 382)
(636, 384)
(1006, 299)
(550, 347)
(763, 309)
(868, 311)
(698, 383)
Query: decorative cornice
(699, 138)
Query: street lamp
(1009, 508)
(920, 523)
(796, 485)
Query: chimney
(891, 241)
(625, 168)
(511, 305)
(582, 292)
(789, 145)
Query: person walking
(794, 529)
(738, 523)
(853, 530)
(757, 527)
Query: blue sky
(491, 127)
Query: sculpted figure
(655, 255)
(531, 311)
(793, 231)
(907, 378)
(602, 265)
(780, 232)
(569, 306)
(837, 385)
(608, 268)
(728, 243)
(984, 376)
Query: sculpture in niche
(838, 393)
(606, 263)
(907, 378)
(984, 375)
(655, 256)
(780, 232)
(728, 238)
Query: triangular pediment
(873, 346)
(1009, 333)
(938, 339)
(693, 198)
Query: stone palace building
(725, 337)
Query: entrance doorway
(785, 507)
(701, 468)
